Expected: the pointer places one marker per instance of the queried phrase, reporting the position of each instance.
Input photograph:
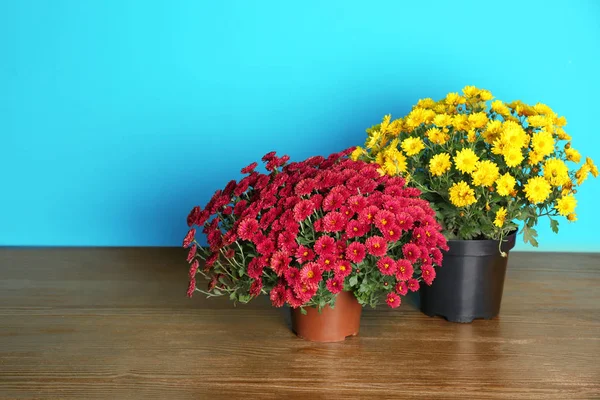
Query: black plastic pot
(470, 281)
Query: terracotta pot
(331, 324)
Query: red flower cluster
(308, 230)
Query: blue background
(116, 117)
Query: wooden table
(115, 324)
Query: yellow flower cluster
(482, 155)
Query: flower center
(327, 262)
(376, 245)
(355, 229)
(386, 266)
(392, 233)
(310, 274)
(342, 268)
(383, 222)
(305, 253)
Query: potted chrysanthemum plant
(324, 236)
(487, 167)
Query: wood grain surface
(114, 323)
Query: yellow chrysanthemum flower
(439, 164)
(562, 135)
(537, 189)
(357, 153)
(394, 161)
(500, 108)
(419, 116)
(573, 155)
(513, 157)
(442, 120)
(572, 217)
(426, 103)
(454, 99)
(412, 146)
(593, 169)
(500, 217)
(374, 140)
(534, 158)
(461, 194)
(486, 173)
(492, 131)
(543, 143)
(545, 110)
(478, 120)
(513, 134)
(472, 136)
(505, 184)
(485, 95)
(560, 121)
(460, 122)
(437, 136)
(556, 172)
(470, 91)
(566, 205)
(465, 160)
(538, 121)
(582, 173)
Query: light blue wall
(116, 117)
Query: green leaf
(353, 281)
(303, 311)
(554, 225)
(529, 235)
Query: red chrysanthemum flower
(269, 156)
(266, 247)
(248, 169)
(230, 253)
(255, 268)
(293, 300)
(340, 248)
(356, 252)
(191, 287)
(334, 222)
(383, 219)
(437, 256)
(192, 253)
(193, 216)
(311, 274)
(401, 288)
(335, 285)
(386, 266)
(325, 245)
(404, 270)
(405, 221)
(342, 269)
(413, 284)
(317, 200)
(427, 273)
(411, 252)
(367, 216)
(189, 237)
(256, 288)
(247, 229)
(393, 300)
(304, 254)
(304, 291)
(303, 210)
(286, 241)
(280, 262)
(356, 229)
(292, 276)
(392, 233)
(376, 246)
(357, 203)
(278, 295)
(210, 261)
(327, 262)
(333, 201)
(304, 187)
(194, 268)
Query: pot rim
(480, 247)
